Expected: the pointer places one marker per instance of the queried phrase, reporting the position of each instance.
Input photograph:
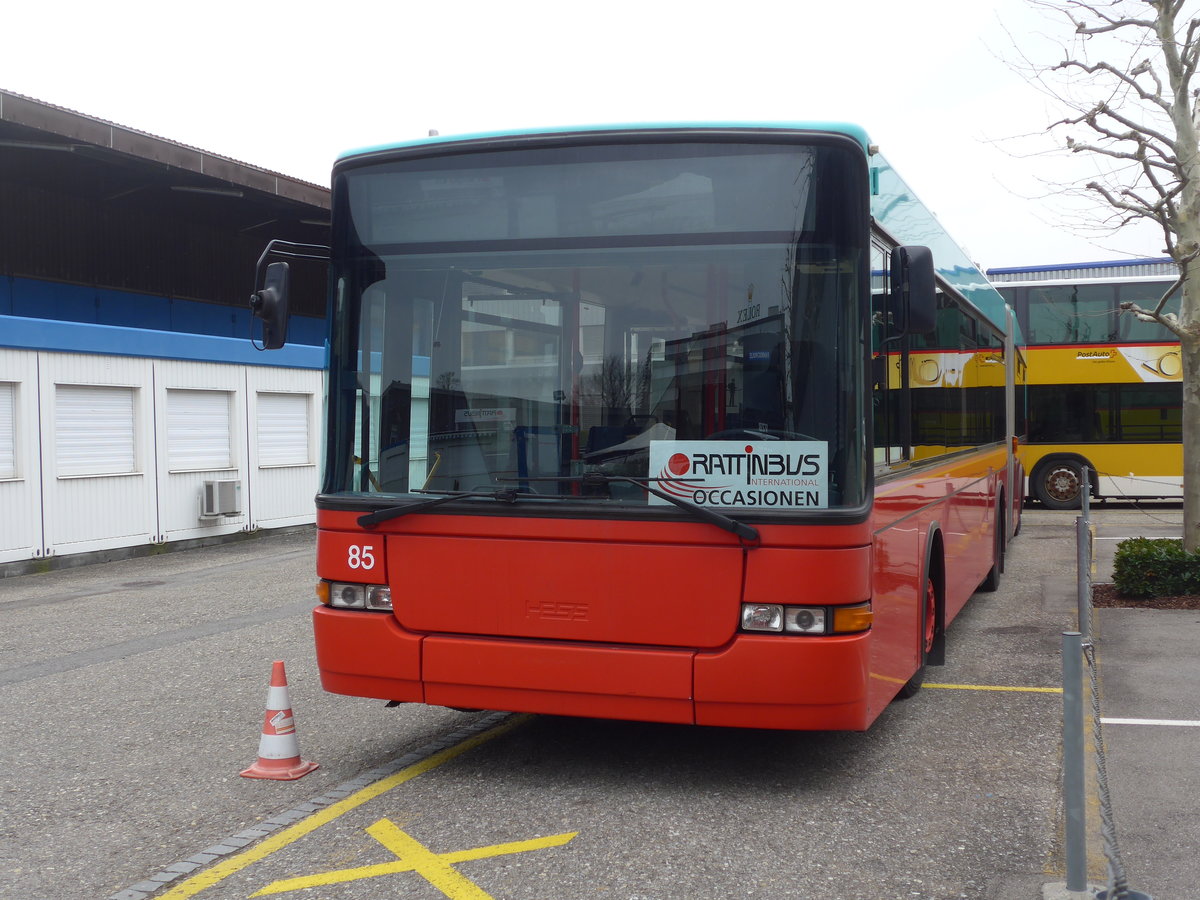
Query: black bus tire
(928, 633)
(991, 581)
(1057, 483)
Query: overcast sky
(290, 86)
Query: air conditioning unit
(221, 498)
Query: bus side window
(886, 432)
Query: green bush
(1155, 567)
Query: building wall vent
(221, 498)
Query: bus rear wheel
(1057, 484)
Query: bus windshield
(533, 320)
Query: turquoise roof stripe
(899, 211)
(849, 129)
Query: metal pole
(1083, 577)
(1073, 762)
(1085, 494)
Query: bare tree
(612, 386)
(1134, 62)
(620, 388)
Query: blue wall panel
(306, 330)
(131, 310)
(202, 318)
(49, 300)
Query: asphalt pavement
(134, 693)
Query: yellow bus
(1104, 388)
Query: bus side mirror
(271, 305)
(914, 291)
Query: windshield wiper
(746, 533)
(505, 495)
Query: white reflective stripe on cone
(277, 697)
(278, 746)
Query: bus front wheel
(1057, 484)
(991, 581)
(928, 634)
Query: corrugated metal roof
(88, 202)
(78, 128)
(1109, 270)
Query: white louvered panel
(282, 495)
(283, 429)
(198, 430)
(94, 430)
(8, 430)
(20, 457)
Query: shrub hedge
(1155, 567)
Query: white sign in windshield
(764, 475)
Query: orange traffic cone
(278, 749)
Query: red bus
(621, 425)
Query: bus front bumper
(757, 681)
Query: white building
(134, 410)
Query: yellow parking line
(269, 845)
(994, 687)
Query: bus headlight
(775, 617)
(804, 619)
(379, 596)
(762, 617)
(345, 595)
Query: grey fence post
(1073, 762)
(1083, 577)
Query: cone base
(280, 769)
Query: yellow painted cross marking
(227, 867)
(413, 856)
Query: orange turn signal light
(849, 619)
(323, 592)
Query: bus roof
(846, 128)
(894, 206)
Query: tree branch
(1129, 79)
(1168, 320)
(1139, 209)
(1145, 130)
(1110, 23)
(1140, 157)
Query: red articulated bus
(623, 423)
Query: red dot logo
(678, 464)
(749, 449)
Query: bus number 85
(361, 557)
